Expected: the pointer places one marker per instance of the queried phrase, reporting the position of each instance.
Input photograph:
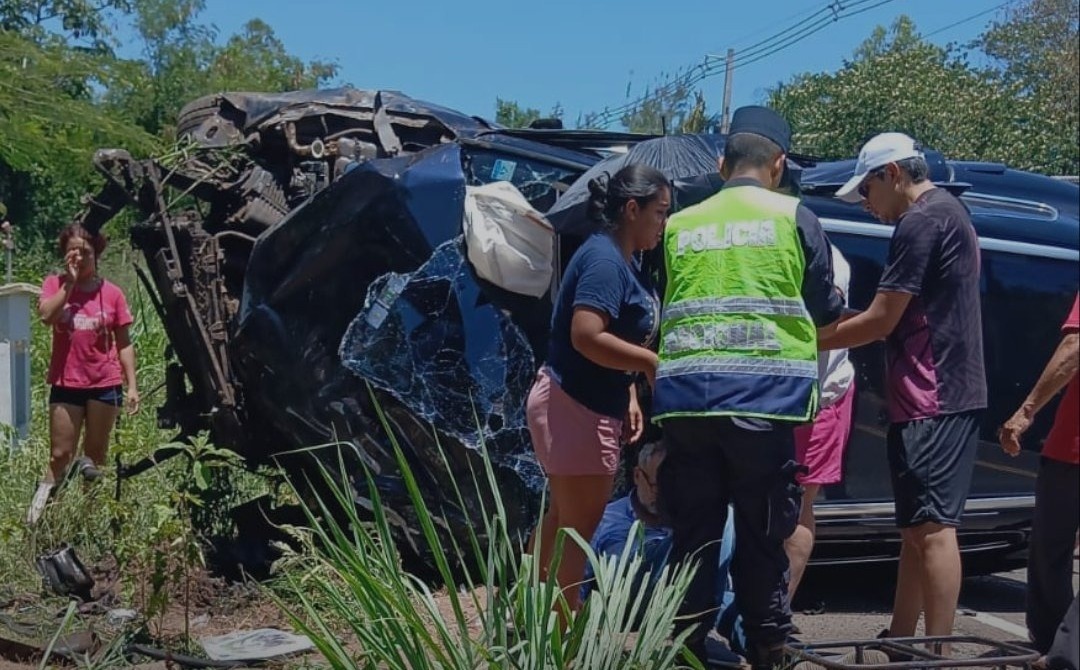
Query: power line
(803, 36)
(967, 19)
(766, 28)
(829, 10)
(833, 12)
(699, 72)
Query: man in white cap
(928, 311)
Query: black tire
(195, 112)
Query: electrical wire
(967, 19)
(699, 72)
(766, 28)
(831, 15)
(832, 11)
(807, 26)
(803, 36)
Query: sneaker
(37, 504)
(719, 655)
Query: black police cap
(764, 122)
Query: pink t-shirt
(84, 352)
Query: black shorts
(110, 395)
(931, 462)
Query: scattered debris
(64, 574)
(120, 617)
(254, 645)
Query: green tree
(84, 21)
(662, 108)
(183, 61)
(63, 94)
(50, 125)
(672, 105)
(898, 81)
(1036, 46)
(256, 60)
(512, 115)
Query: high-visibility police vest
(735, 336)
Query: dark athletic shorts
(931, 462)
(110, 395)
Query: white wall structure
(17, 303)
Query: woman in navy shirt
(584, 402)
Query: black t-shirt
(935, 353)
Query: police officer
(749, 291)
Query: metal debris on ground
(254, 645)
(911, 653)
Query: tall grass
(500, 615)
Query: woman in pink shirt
(92, 360)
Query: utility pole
(725, 122)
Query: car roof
(1006, 204)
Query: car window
(534, 178)
(1002, 206)
(1028, 299)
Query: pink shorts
(569, 438)
(820, 445)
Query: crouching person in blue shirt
(654, 544)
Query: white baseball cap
(879, 151)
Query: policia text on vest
(735, 337)
(725, 236)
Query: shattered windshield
(534, 178)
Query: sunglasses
(864, 187)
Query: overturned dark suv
(306, 256)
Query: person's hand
(71, 267)
(634, 425)
(131, 401)
(1009, 434)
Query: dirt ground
(214, 608)
(844, 609)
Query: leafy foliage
(1037, 49)
(51, 125)
(64, 94)
(672, 106)
(184, 61)
(898, 81)
(510, 114)
(80, 20)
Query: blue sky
(579, 54)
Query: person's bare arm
(126, 350)
(828, 331)
(635, 418)
(876, 322)
(1062, 367)
(589, 336)
(50, 309)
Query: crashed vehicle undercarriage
(258, 271)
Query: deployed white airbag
(509, 242)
